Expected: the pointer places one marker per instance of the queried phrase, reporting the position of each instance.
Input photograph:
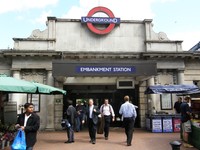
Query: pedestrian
(80, 109)
(186, 116)
(70, 115)
(29, 122)
(108, 115)
(92, 113)
(129, 114)
(177, 105)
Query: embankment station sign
(102, 69)
(105, 69)
(91, 21)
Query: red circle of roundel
(104, 10)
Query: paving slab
(142, 140)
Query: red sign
(177, 124)
(106, 11)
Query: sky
(179, 19)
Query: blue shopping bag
(19, 142)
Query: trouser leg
(94, 130)
(68, 134)
(130, 134)
(90, 128)
(129, 128)
(71, 134)
(77, 124)
(106, 126)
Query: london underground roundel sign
(110, 20)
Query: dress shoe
(93, 142)
(106, 138)
(67, 142)
(128, 144)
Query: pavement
(142, 140)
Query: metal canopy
(183, 88)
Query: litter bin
(175, 145)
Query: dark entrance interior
(98, 93)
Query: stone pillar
(151, 97)
(17, 98)
(50, 104)
(180, 77)
(12, 108)
(51, 32)
(148, 29)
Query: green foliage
(7, 127)
(7, 131)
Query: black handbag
(65, 124)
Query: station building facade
(68, 55)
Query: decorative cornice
(30, 53)
(34, 39)
(99, 55)
(162, 41)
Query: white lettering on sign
(113, 69)
(122, 69)
(95, 69)
(100, 20)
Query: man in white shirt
(108, 114)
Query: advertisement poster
(177, 124)
(167, 125)
(156, 125)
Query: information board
(177, 124)
(167, 125)
(156, 125)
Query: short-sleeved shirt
(184, 109)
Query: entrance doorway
(98, 93)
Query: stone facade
(67, 39)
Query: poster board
(166, 101)
(35, 99)
(177, 124)
(156, 125)
(167, 125)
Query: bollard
(175, 145)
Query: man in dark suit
(71, 114)
(30, 123)
(92, 113)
